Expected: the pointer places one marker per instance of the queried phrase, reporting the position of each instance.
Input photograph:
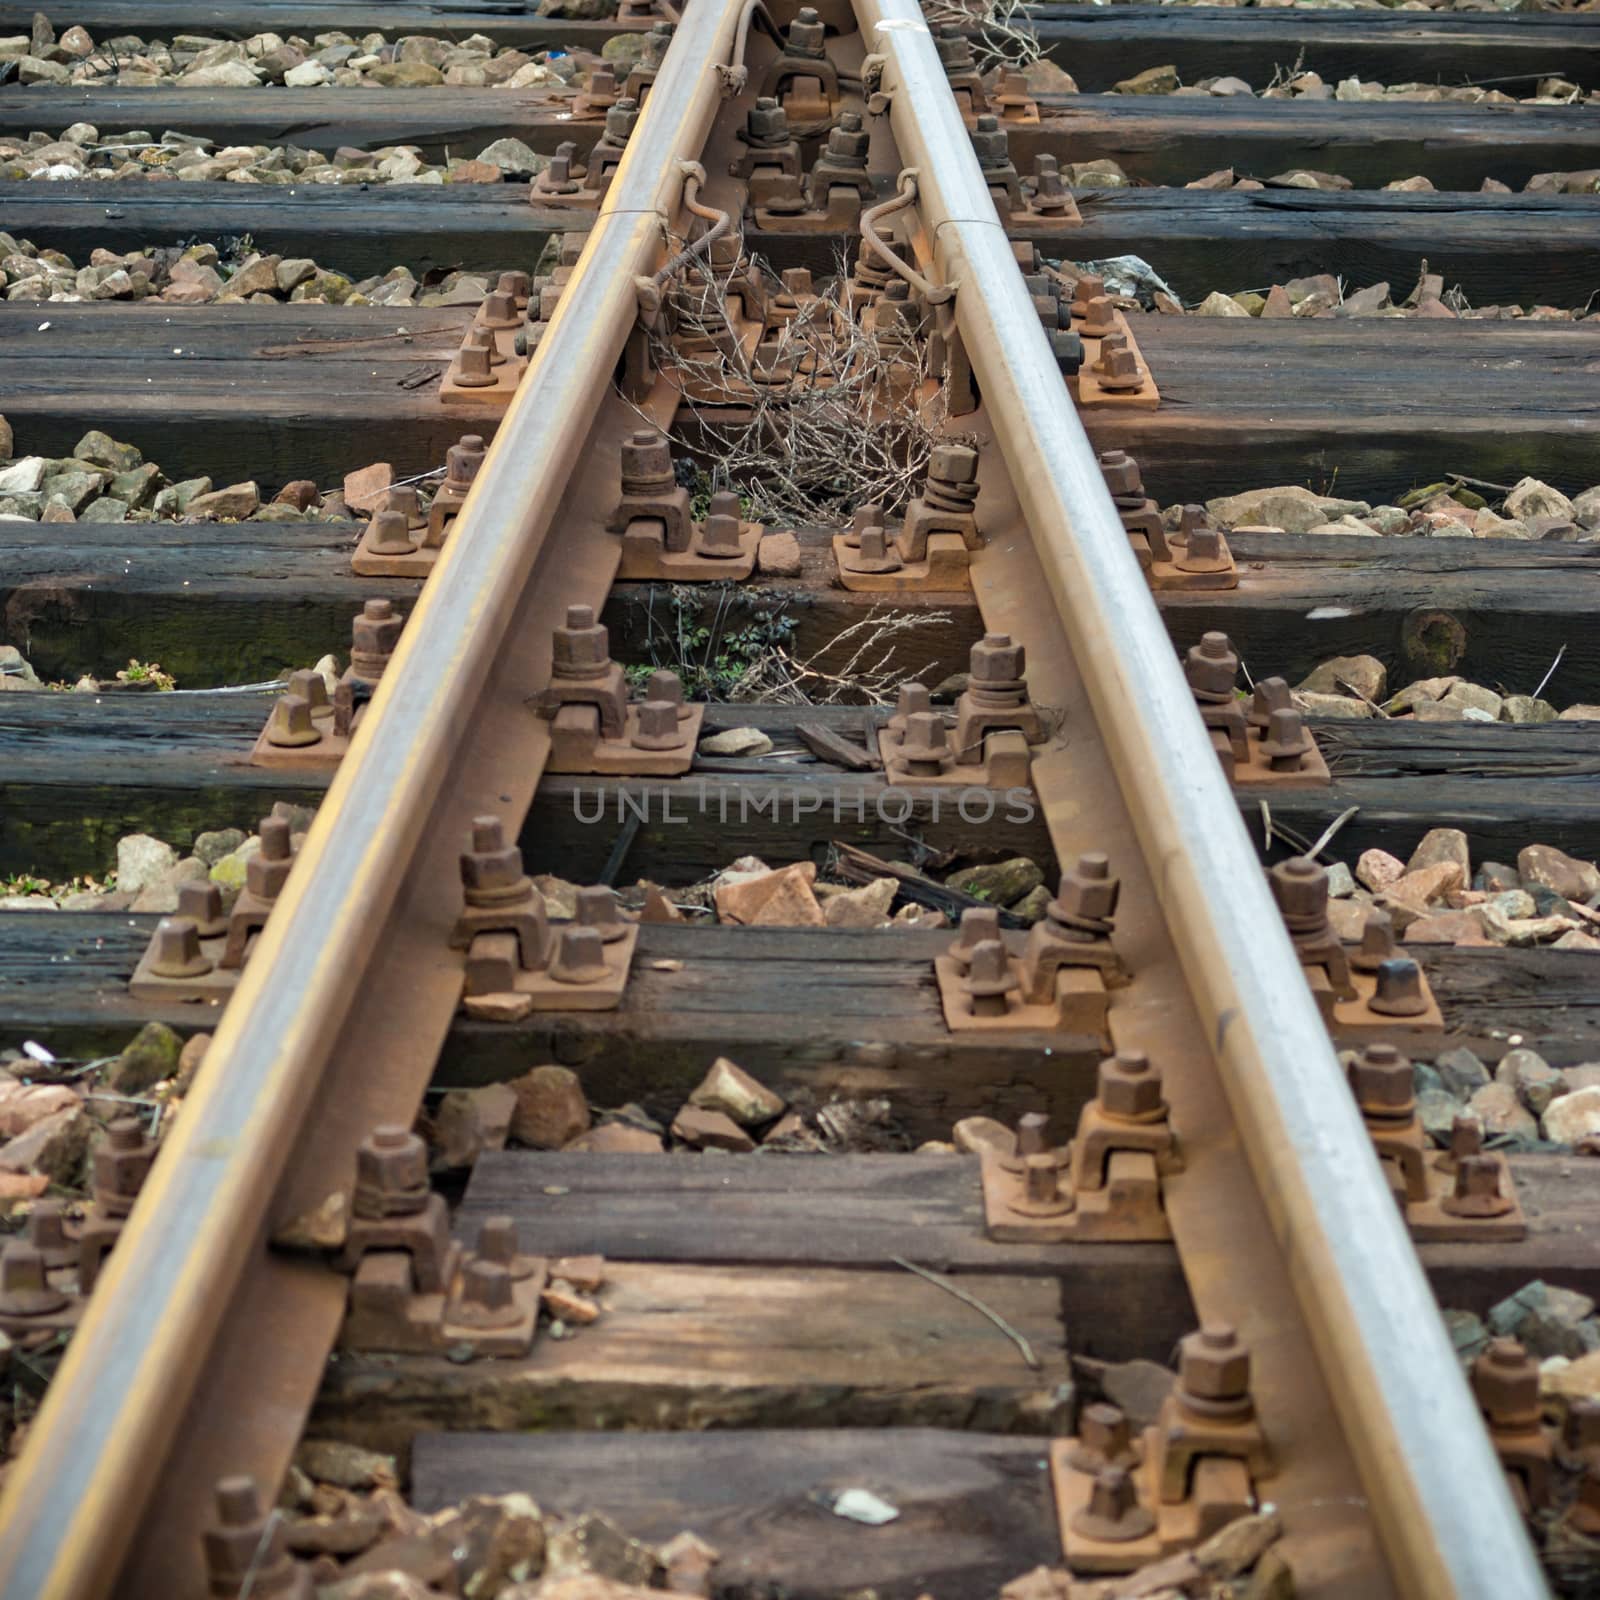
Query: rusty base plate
(547, 994)
(644, 560)
(579, 751)
(1356, 1016)
(418, 564)
(1221, 1494)
(1430, 1223)
(215, 986)
(1126, 1210)
(1007, 762)
(1080, 1005)
(1168, 575)
(1257, 772)
(946, 571)
(328, 751)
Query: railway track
(903, 1371)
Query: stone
(551, 1110)
(1468, 1335)
(1364, 674)
(1377, 869)
(866, 907)
(22, 477)
(781, 899)
(915, 916)
(24, 1104)
(220, 75)
(1441, 845)
(1525, 708)
(301, 494)
(998, 883)
(176, 498)
(467, 1122)
(151, 1056)
(190, 1060)
(1428, 884)
(141, 860)
(213, 846)
(1138, 1388)
(566, 1304)
(1474, 697)
(1570, 1118)
(406, 75)
(1496, 1106)
(7, 439)
(1290, 507)
(345, 1466)
(736, 742)
(1531, 498)
(101, 450)
(137, 487)
(1586, 1075)
(514, 158)
(1572, 939)
(1340, 707)
(1153, 80)
(308, 75)
(1544, 865)
(1437, 1110)
(256, 274)
(731, 1090)
(1580, 714)
(238, 500)
(1546, 1319)
(1585, 506)
(593, 1543)
(1100, 174)
(973, 1136)
(1033, 905)
(1537, 1083)
(617, 1138)
(469, 172)
(1239, 1545)
(364, 489)
(1228, 86)
(778, 556)
(710, 1130)
(161, 897)
(1217, 304)
(55, 1147)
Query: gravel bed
(1304, 85)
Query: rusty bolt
(1581, 1430)
(1033, 1138)
(1477, 1191)
(515, 283)
(1098, 321)
(374, 633)
(312, 687)
(1122, 475)
(1505, 1382)
(668, 686)
(767, 123)
(491, 870)
(806, 33)
(463, 459)
(175, 950)
(1286, 740)
(499, 310)
(646, 460)
(953, 464)
(1300, 887)
(391, 1173)
(580, 957)
(120, 1164)
(979, 924)
(989, 140)
(1399, 992)
(988, 979)
(1042, 1194)
(290, 727)
(1211, 668)
(497, 1242)
(621, 119)
(47, 1233)
(1086, 896)
(955, 50)
(1113, 1514)
(200, 901)
(486, 1299)
(1271, 694)
(1104, 1438)
(1118, 368)
(266, 872)
(655, 726)
(25, 1288)
(997, 661)
(245, 1550)
(1130, 1088)
(1377, 942)
(925, 748)
(720, 532)
(582, 647)
(876, 553)
(1203, 550)
(1049, 193)
(1382, 1081)
(474, 369)
(597, 909)
(1466, 1137)
(1213, 1365)
(1091, 286)
(912, 698)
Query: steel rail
(1438, 1494)
(75, 1497)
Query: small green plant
(23, 883)
(147, 672)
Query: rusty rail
(289, 1084)
(1445, 1515)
